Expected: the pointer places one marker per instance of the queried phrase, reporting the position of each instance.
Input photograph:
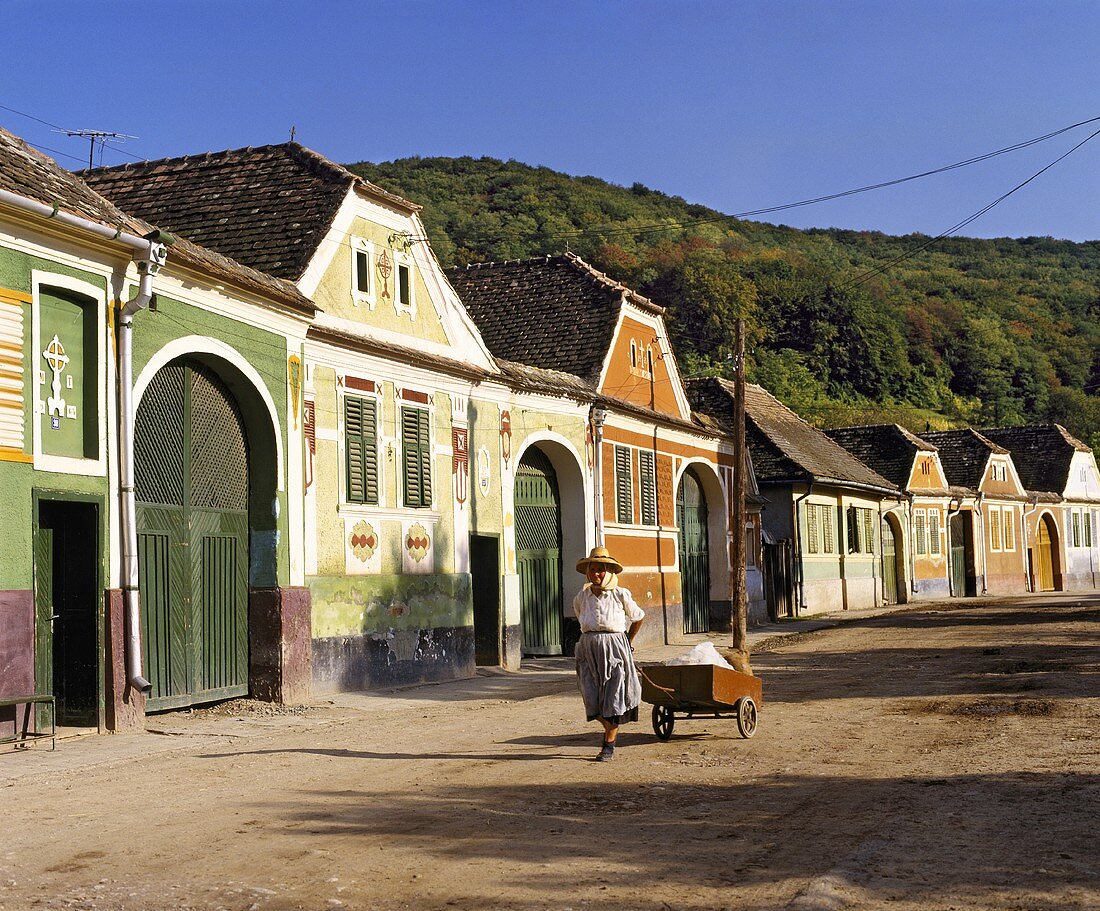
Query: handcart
(700, 691)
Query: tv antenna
(96, 136)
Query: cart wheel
(663, 721)
(746, 716)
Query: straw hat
(599, 555)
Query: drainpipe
(950, 541)
(798, 549)
(1023, 542)
(149, 262)
(981, 528)
(149, 253)
(911, 548)
(597, 416)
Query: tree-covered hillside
(964, 332)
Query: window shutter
(361, 450)
(1010, 529)
(921, 531)
(416, 457)
(811, 529)
(853, 530)
(868, 531)
(995, 529)
(934, 531)
(649, 487)
(624, 502)
(1076, 529)
(1088, 528)
(828, 526)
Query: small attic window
(649, 359)
(633, 353)
(404, 300)
(362, 285)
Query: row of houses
(254, 440)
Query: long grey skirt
(608, 679)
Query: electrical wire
(671, 225)
(878, 270)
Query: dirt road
(938, 759)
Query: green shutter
(624, 501)
(649, 487)
(361, 449)
(416, 457)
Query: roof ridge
(195, 156)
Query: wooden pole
(739, 595)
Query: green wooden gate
(538, 554)
(958, 556)
(889, 564)
(191, 473)
(691, 516)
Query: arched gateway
(193, 485)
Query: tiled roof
(963, 454)
(553, 312)
(887, 448)
(1042, 454)
(27, 172)
(784, 447)
(268, 207)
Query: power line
(671, 225)
(878, 270)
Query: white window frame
(370, 296)
(401, 261)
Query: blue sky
(734, 105)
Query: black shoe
(607, 753)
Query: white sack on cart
(703, 653)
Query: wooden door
(958, 556)
(191, 458)
(889, 564)
(538, 554)
(1046, 558)
(691, 516)
(485, 583)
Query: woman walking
(609, 621)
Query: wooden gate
(1046, 557)
(691, 516)
(958, 555)
(778, 579)
(538, 554)
(889, 563)
(191, 474)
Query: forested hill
(967, 331)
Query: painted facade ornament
(506, 436)
(363, 540)
(57, 359)
(417, 542)
(484, 471)
(384, 265)
(460, 461)
(294, 377)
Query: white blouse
(609, 611)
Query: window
(920, 531)
(868, 531)
(648, 479)
(362, 287)
(828, 528)
(934, 532)
(404, 286)
(861, 530)
(1010, 528)
(633, 353)
(649, 359)
(1088, 528)
(994, 528)
(361, 450)
(811, 529)
(416, 457)
(1076, 528)
(624, 494)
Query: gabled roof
(963, 454)
(268, 207)
(1042, 454)
(784, 448)
(887, 448)
(27, 172)
(554, 312)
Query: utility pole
(96, 136)
(739, 595)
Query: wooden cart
(700, 691)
